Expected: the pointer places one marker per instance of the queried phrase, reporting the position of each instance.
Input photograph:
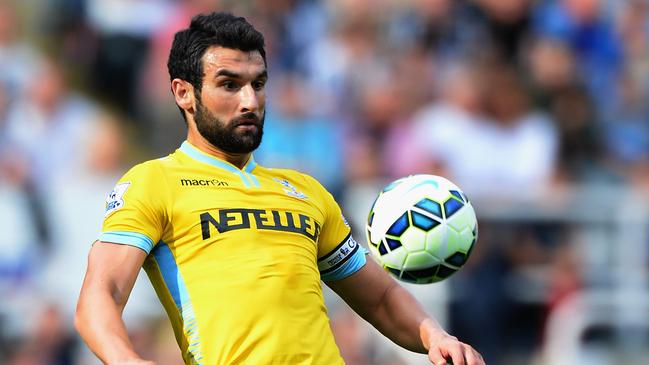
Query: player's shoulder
(152, 170)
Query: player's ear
(184, 94)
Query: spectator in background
(156, 109)
(5, 151)
(123, 29)
(49, 124)
(355, 343)
(71, 154)
(299, 140)
(413, 83)
(305, 24)
(590, 33)
(626, 129)
(581, 154)
(505, 25)
(20, 251)
(430, 24)
(74, 208)
(47, 341)
(485, 137)
(550, 67)
(353, 56)
(42, 139)
(19, 236)
(18, 57)
(377, 112)
(633, 26)
(459, 103)
(273, 18)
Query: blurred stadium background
(537, 109)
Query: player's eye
(229, 85)
(259, 85)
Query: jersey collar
(245, 173)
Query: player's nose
(248, 99)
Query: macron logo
(202, 182)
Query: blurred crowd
(511, 99)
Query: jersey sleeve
(339, 255)
(135, 209)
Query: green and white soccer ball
(422, 228)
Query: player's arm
(112, 270)
(380, 300)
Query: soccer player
(236, 251)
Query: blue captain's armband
(347, 258)
(128, 238)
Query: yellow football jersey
(236, 255)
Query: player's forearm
(388, 307)
(98, 320)
(402, 319)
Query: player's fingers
(436, 357)
(472, 356)
(456, 353)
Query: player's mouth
(248, 122)
(247, 127)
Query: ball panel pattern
(382, 249)
(415, 239)
(445, 271)
(430, 206)
(435, 239)
(395, 259)
(457, 259)
(451, 206)
(399, 226)
(421, 229)
(458, 195)
(395, 272)
(417, 275)
(459, 241)
(420, 260)
(392, 243)
(421, 221)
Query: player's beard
(226, 136)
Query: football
(422, 228)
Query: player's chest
(213, 205)
(228, 189)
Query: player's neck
(237, 159)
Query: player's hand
(444, 348)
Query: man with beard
(234, 250)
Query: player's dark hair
(206, 30)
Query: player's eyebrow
(227, 73)
(234, 75)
